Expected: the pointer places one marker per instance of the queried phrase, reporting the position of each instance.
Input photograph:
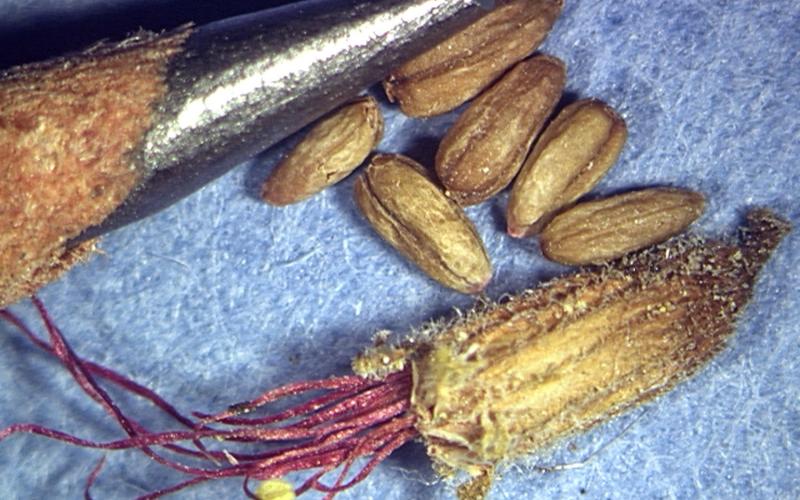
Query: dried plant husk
(597, 231)
(568, 160)
(409, 210)
(331, 150)
(458, 69)
(485, 148)
(515, 377)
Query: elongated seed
(333, 148)
(568, 160)
(459, 68)
(601, 230)
(409, 211)
(485, 148)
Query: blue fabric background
(221, 296)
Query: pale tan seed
(459, 68)
(405, 206)
(568, 160)
(327, 154)
(602, 230)
(485, 148)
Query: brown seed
(569, 159)
(410, 212)
(485, 148)
(333, 148)
(457, 69)
(598, 231)
(514, 377)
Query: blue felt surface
(221, 296)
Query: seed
(410, 212)
(569, 159)
(597, 231)
(330, 152)
(485, 148)
(459, 68)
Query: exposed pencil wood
(67, 128)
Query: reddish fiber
(353, 418)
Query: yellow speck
(275, 489)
